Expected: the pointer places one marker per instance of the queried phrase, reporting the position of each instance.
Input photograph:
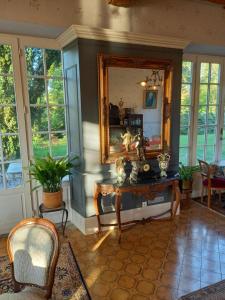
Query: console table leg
(177, 197)
(97, 192)
(118, 207)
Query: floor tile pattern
(159, 260)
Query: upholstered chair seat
(215, 183)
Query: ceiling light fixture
(153, 81)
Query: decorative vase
(52, 200)
(163, 160)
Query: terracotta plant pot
(187, 184)
(52, 200)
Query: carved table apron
(148, 190)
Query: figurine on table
(139, 144)
(127, 139)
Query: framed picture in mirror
(150, 99)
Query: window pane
(203, 94)
(6, 66)
(185, 116)
(55, 91)
(200, 152)
(214, 94)
(8, 119)
(13, 174)
(57, 118)
(34, 60)
(184, 136)
(7, 93)
(183, 155)
(204, 73)
(201, 136)
(187, 71)
(1, 178)
(211, 135)
(11, 148)
(210, 154)
(215, 73)
(53, 62)
(36, 88)
(59, 144)
(186, 94)
(202, 115)
(212, 115)
(39, 118)
(40, 145)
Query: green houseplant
(186, 175)
(49, 173)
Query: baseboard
(90, 226)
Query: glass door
(15, 200)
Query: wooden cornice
(221, 2)
(128, 3)
(123, 3)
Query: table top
(14, 168)
(152, 181)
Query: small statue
(127, 139)
(133, 178)
(121, 111)
(139, 144)
(163, 160)
(120, 172)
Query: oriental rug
(68, 282)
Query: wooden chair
(209, 182)
(33, 248)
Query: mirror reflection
(135, 109)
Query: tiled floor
(160, 260)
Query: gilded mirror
(135, 99)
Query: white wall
(196, 20)
(123, 84)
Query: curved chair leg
(220, 195)
(209, 198)
(202, 193)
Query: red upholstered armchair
(209, 182)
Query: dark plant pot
(187, 184)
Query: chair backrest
(33, 248)
(205, 169)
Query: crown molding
(85, 32)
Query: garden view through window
(46, 98)
(10, 163)
(200, 113)
(186, 111)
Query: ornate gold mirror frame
(106, 61)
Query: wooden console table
(149, 190)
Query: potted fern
(186, 175)
(49, 173)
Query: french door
(15, 196)
(202, 109)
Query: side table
(45, 210)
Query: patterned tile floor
(160, 260)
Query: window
(186, 111)
(46, 99)
(208, 106)
(10, 164)
(201, 110)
